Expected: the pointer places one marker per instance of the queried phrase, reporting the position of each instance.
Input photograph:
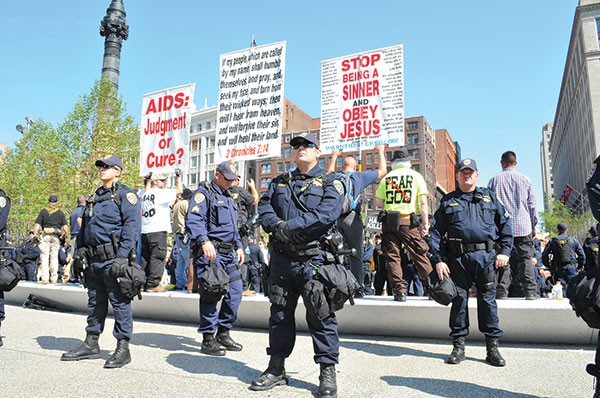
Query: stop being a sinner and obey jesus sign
(250, 103)
(165, 129)
(362, 100)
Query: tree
(49, 160)
(578, 224)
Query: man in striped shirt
(516, 192)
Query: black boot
(120, 357)
(89, 349)
(210, 346)
(493, 355)
(226, 341)
(273, 376)
(458, 352)
(327, 382)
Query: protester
(53, 223)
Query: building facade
(575, 139)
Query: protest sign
(362, 100)
(250, 103)
(165, 129)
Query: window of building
(416, 167)
(287, 152)
(195, 145)
(199, 127)
(265, 168)
(388, 156)
(411, 126)
(264, 182)
(598, 29)
(339, 162)
(194, 161)
(286, 138)
(287, 166)
(286, 124)
(193, 179)
(413, 153)
(280, 167)
(211, 158)
(211, 143)
(376, 158)
(412, 138)
(322, 163)
(369, 158)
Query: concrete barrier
(539, 321)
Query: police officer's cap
(228, 170)
(309, 137)
(110, 161)
(53, 199)
(400, 154)
(466, 164)
(562, 226)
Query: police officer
(298, 207)
(110, 228)
(467, 228)
(593, 189)
(591, 248)
(4, 210)
(211, 224)
(567, 255)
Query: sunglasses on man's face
(105, 166)
(304, 144)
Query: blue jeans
(183, 263)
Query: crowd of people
(483, 238)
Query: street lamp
(30, 122)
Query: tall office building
(575, 140)
(546, 161)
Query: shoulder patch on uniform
(199, 197)
(487, 198)
(2, 202)
(339, 186)
(195, 209)
(132, 198)
(592, 171)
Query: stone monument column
(114, 29)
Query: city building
(546, 161)
(575, 139)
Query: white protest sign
(165, 129)
(362, 100)
(250, 103)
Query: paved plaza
(167, 362)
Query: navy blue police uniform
(4, 210)
(212, 216)
(568, 257)
(322, 202)
(112, 215)
(467, 230)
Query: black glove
(178, 172)
(282, 232)
(119, 267)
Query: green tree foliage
(60, 160)
(578, 224)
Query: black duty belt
(99, 253)
(223, 247)
(309, 249)
(457, 246)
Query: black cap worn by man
(400, 154)
(303, 138)
(110, 161)
(228, 170)
(562, 226)
(53, 199)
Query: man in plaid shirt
(516, 192)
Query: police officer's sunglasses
(304, 144)
(105, 166)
